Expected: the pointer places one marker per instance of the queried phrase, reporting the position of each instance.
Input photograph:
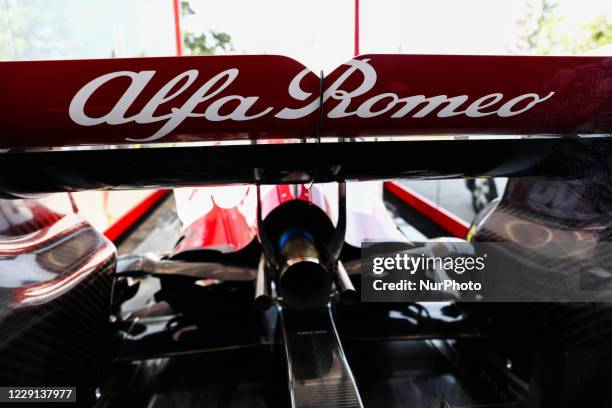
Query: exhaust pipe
(304, 281)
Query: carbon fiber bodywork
(563, 350)
(56, 275)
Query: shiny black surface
(235, 356)
(181, 341)
(319, 374)
(56, 276)
(30, 172)
(233, 378)
(564, 350)
(493, 355)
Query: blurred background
(320, 34)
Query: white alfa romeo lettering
(235, 107)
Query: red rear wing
(126, 103)
(143, 100)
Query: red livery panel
(220, 98)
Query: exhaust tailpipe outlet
(304, 281)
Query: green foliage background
(204, 43)
(540, 32)
(35, 29)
